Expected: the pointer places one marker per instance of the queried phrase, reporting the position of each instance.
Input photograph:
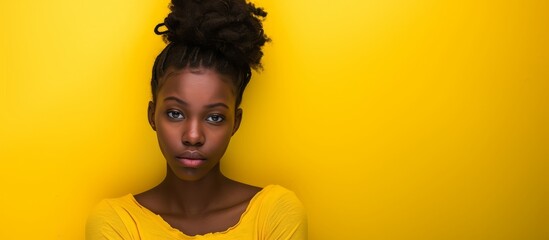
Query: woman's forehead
(200, 72)
(198, 83)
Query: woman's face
(194, 117)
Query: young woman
(197, 86)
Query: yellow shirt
(273, 213)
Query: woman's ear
(150, 114)
(237, 120)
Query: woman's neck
(192, 198)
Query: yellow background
(390, 119)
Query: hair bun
(231, 27)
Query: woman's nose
(192, 134)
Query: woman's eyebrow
(176, 99)
(213, 105)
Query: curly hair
(225, 35)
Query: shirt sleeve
(287, 219)
(104, 223)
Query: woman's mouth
(191, 159)
(191, 163)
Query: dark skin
(195, 117)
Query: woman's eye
(175, 115)
(215, 118)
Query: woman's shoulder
(275, 191)
(280, 213)
(270, 196)
(278, 196)
(112, 205)
(111, 215)
(115, 211)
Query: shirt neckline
(179, 233)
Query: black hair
(225, 35)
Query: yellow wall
(390, 119)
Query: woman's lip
(191, 162)
(191, 159)
(191, 155)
